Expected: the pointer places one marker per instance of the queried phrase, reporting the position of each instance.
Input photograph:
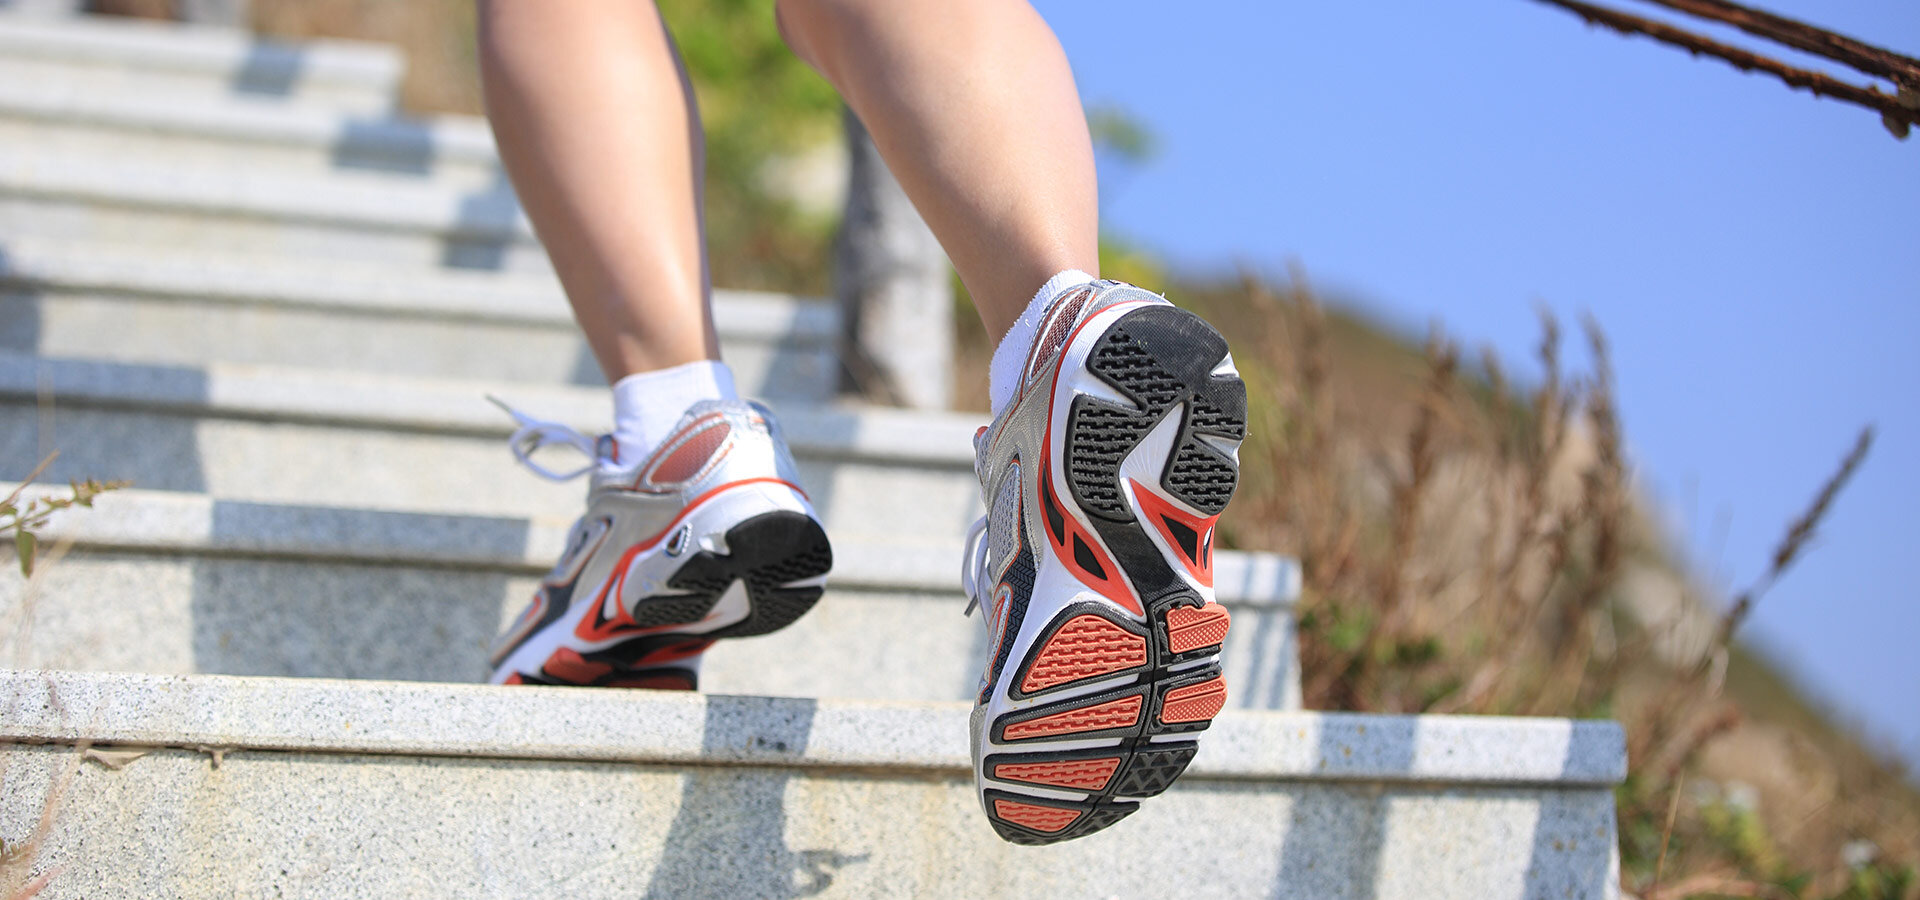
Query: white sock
(1003, 374)
(646, 405)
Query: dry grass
(1470, 546)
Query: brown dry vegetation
(1474, 546)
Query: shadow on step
(270, 69)
(1357, 840)
(728, 838)
(278, 617)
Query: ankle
(647, 405)
(1004, 373)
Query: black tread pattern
(1157, 357)
(768, 552)
(1153, 771)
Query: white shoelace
(534, 434)
(973, 565)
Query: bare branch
(1894, 111)
(1902, 70)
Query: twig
(1666, 835)
(22, 486)
(1798, 535)
(1895, 112)
(1895, 67)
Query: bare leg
(974, 108)
(597, 127)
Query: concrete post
(895, 289)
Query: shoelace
(534, 434)
(973, 565)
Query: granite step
(412, 790)
(138, 304)
(106, 55)
(72, 115)
(218, 586)
(354, 214)
(351, 439)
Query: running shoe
(709, 537)
(1094, 564)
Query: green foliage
(18, 520)
(1120, 134)
(758, 103)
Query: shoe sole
(1163, 359)
(767, 553)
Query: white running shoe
(1094, 564)
(710, 537)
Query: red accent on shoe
(1083, 774)
(671, 653)
(1086, 646)
(1190, 629)
(1098, 570)
(567, 665)
(514, 679)
(1195, 702)
(687, 460)
(1055, 328)
(1163, 515)
(1099, 717)
(1039, 818)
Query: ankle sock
(1003, 374)
(646, 405)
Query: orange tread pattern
(1111, 714)
(1084, 774)
(1190, 629)
(1086, 646)
(1038, 818)
(1195, 702)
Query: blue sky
(1752, 252)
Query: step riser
(183, 332)
(236, 84)
(108, 611)
(342, 466)
(341, 153)
(169, 825)
(188, 230)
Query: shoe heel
(770, 552)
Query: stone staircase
(230, 273)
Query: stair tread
(167, 45)
(437, 138)
(448, 405)
(345, 286)
(348, 716)
(350, 198)
(183, 523)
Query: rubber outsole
(1160, 683)
(767, 552)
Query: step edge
(357, 198)
(466, 140)
(176, 523)
(96, 267)
(372, 717)
(444, 406)
(92, 40)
